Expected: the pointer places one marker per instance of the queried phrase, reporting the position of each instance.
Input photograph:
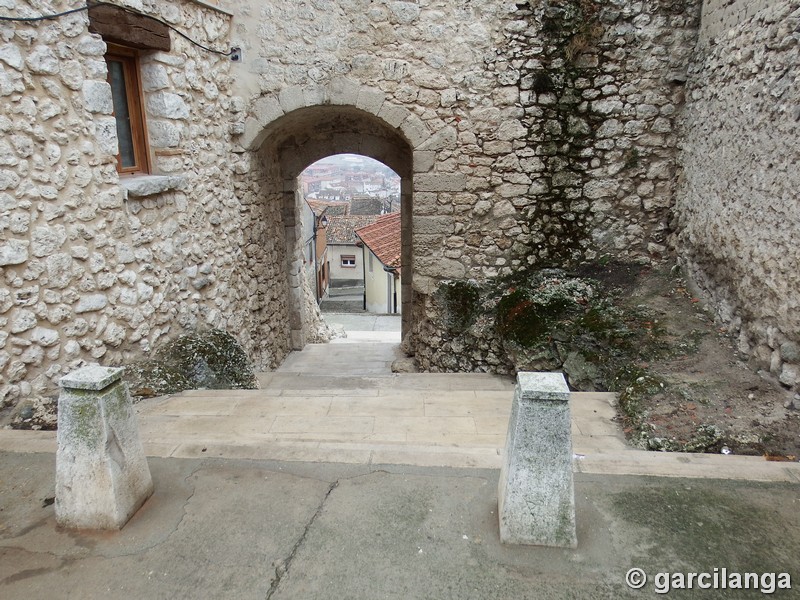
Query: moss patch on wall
(202, 359)
(551, 319)
(459, 301)
(564, 134)
(586, 324)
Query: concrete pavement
(340, 403)
(278, 530)
(365, 326)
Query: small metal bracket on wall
(236, 54)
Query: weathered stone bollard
(102, 477)
(536, 497)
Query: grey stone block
(393, 115)
(440, 182)
(424, 161)
(370, 100)
(536, 497)
(102, 477)
(343, 91)
(267, 109)
(291, 98)
(415, 130)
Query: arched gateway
(293, 130)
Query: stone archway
(293, 130)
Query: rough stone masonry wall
(523, 156)
(582, 167)
(738, 210)
(88, 276)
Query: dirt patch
(638, 331)
(699, 394)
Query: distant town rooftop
(341, 230)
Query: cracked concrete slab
(433, 533)
(209, 531)
(224, 528)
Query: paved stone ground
(344, 300)
(340, 403)
(277, 530)
(363, 322)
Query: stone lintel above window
(123, 27)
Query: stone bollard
(102, 477)
(536, 497)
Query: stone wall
(580, 163)
(96, 268)
(721, 16)
(540, 135)
(738, 213)
(526, 134)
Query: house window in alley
(349, 261)
(123, 76)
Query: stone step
(337, 380)
(426, 427)
(370, 337)
(626, 461)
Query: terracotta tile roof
(383, 238)
(341, 230)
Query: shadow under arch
(303, 136)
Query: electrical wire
(125, 8)
(44, 17)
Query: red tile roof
(383, 238)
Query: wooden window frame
(348, 257)
(133, 90)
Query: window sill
(141, 186)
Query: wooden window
(349, 262)
(126, 91)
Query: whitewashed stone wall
(88, 275)
(738, 209)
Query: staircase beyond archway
(316, 408)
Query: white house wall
(345, 276)
(378, 284)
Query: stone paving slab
(425, 419)
(357, 337)
(359, 322)
(397, 382)
(249, 433)
(381, 406)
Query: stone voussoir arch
(407, 144)
(267, 111)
